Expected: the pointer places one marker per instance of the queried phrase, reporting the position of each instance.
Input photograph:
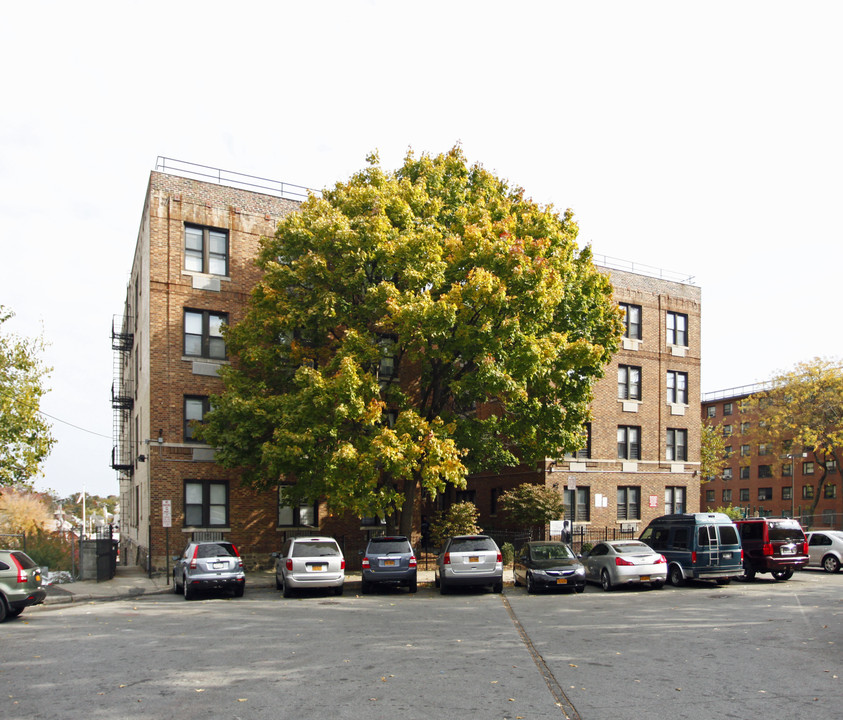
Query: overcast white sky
(704, 138)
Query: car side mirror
(275, 555)
(176, 558)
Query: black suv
(389, 560)
(773, 545)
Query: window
(744, 473)
(787, 493)
(585, 451)
(629, 382)
(629, 503)
(765, 449)
(203, 334)
(629, 442)
(674, 500)
(493, 500)
(677, 387)
(205, 250)
(727, 495)
(709, 496)
(745, 426)
(578, 504)
(744, 494)
(677, 329)
(765, 471)
(727, 452)
(727, 473)
(727, 408)
(807, 492)
(711, 411)
(727, 430)
(787, 470)
(807, 468)
(746, 450)
(765, 493)
(195, 408)
(830, 491)
(631, 321)
(389, 359)
(205, 503)
(828, 517)
(295, 515)
(677, 444)
(831, 466)
(469, 496)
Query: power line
(64, 422)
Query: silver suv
(20, 583)
(209, 565)
(469, 560)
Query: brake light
(447, 559)
(499, 558)
(193, 559)
(661, 561)
(342, 564)
(21, 573)
(289, 565)
(413, 561)
(621, 562)
(366, 564)
(694, 557)
(805, 548)
(768, 549)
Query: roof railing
(182, 168)
(640, 269)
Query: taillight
(21, 573)
(413, 561)
(499, 558)
(447, 559)
(342, 564)
(768, 549)
(661, 561)
(694, 557)
(366, 564)
(289, 565)
(193, 559)
(620, 561)
(805, 548)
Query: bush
(459, 519)
(508, 552)
(49, 550)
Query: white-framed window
(302, 514)
(677, 329)
(631, 321)
(205, 250)
(677, 444)
(629, 442)
(677, 387)
(674, 500)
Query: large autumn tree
(25, 439)
(412, 327)
(801, 410)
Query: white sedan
(825, 549)
(624, 562)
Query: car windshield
(632, 548)
(389, 545)
(216, 550)
(472, 544)
(788, 531)
(315, 548)
(551, 552)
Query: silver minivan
(309, 562)
(469, 560)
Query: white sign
(556, 527)
(166, 513)
(572, 482)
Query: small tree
(733, 512)
(459, 519)
(533, 506)
(712, 453)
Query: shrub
(459, 519)
(49, 550)
(508, 552)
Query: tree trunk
(405, 521)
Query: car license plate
(788, 551)
(474, 558)
(561, 581)
(389, 563)
(218, 565)
(645, 578)
(318, 568)
(727, 556)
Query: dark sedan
(549, 564)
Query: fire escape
(122, 395)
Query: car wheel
(674, 575)
(605, 580)
(724, 581)
(13, 613)
(531, 586)
(657, 585)
(831, 564)
(436, 581)
(443, 588)
(366, 587)
(580, 588)
(286, 591)
(498, 587)
(338, 589)
(239, 590)
(413, 586)
(176, 588)
(515, 580)
(3, 611)
(277, 582)
(188, 594)
(783, 575)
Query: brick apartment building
(757, 478)
(193, 271)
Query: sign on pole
(166, 513)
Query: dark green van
(697, 546)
